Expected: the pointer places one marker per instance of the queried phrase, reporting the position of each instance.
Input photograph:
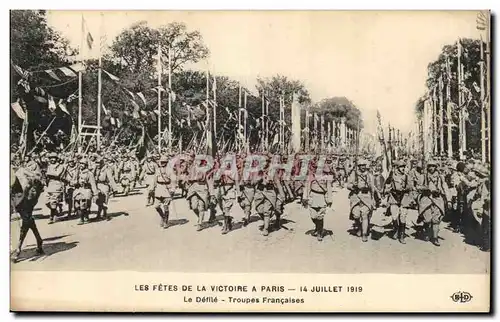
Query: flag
(20, 71)
(135, 105)
(24, 83)
(62, 106)
(51, 73)
(40, 99)
(118, 123)
(214, 85)
(71, 98)
(481, 21)
(113, 77)
(142, 97)
(78, 67)
(52, 104)
(39, 91)
(112, 121)
(476, 87)
(106, 112)
(90, 40)
(68, 72)
(18, 109)
(130, 93)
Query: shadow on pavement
(177, 222)
(29, 254)
(55, 238)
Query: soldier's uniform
(198, 192)
(164, 184)
(105, 185)
(460, 186)
(483, 196)
(26, 188)
(85, 189)
(248, 182)
(148, 176)
(432, 202)
(318, 195)
(227, 193)
(265, 197)
(397, 187)
(55, 185)
(298, 185)
(361, 199)
(70, 180)
(127, 174)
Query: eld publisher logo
(461, 297)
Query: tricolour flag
(90, 40)
(68, 72)
(62, 106)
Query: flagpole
(214, 89)
(245, 121)
(159, 98)
(262, 122)
(169, 99)
(99, 88)
(208, 127)
(483, 105)
(448, 108)
(80, 85)
(461, 130)
(488, 86)
(239, 114)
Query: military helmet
(52, 155)
(362, 162)
(163, 159)
(432, 163)
(84, 161)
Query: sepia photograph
(250, 161)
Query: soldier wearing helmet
(55, 185)
(432, 202)
(85, 189)
(149, 170)
(164, 185)
(361, 187)
(70, 180)
(105, 186)
(398, 186)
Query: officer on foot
(55, 185)
(164, 183)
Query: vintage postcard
(250, 161)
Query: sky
(377, 59)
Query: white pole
(159, 98)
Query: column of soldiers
(435, 188)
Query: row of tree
(132, 58)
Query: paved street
(133, 240)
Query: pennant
(20, 71)
(172, 96)
(18, 109)
(40, 99)
(52, 104)
(144, 113)
(68, 72)
(112, 121)
(142, 97)
(113, 77)
(39, 91)
(135, 115)
(51, 73)
(71, 98)
(79, 67)
(476, 87)
(130, 93)
(126, 113)
(118, 123)
(90, 40)
(106, 112)
(24, 83)
(135, 105)
(62, 106)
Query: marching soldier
(85, 189)
(318, 195)
(149, 170)
(127, 174)
(105, 185)
(26, 188)
(461, 186)
(198, 192)
(164, 184)
(55, 185)
(397, 186)
(247, 186)
(70, 180)
(228, 189)
(432, 202)
(265, 196)
(361, 199)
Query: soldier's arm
(111, 180)
(307, 188)
(350, 180)
(279, 186)
(329, 192)
(93, 184)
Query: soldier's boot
(364, 229)
(99, 211)
(165, 218)
(426, 232)
(357, 227)
(80, 213)
(277, 221)
(22, 237)
(105, 213)
(86, 213)
(246, 219)
(213, 214)
(199, 221)
(225, 226)
(395, 229)
(265, 229)
(126, 190)
(39, 240)
(435, 234)
(315, 232)
(70, 209)
(402, 233)
(159, 210)
(319, 229)
(52, 216)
